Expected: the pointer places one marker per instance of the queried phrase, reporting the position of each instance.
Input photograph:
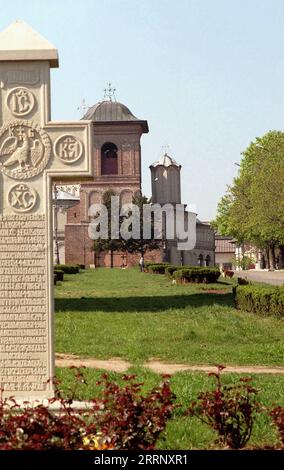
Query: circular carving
(20, 101)
(22, 198)
(68, 148)
(25, 149)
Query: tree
(253, 209)
(101, 245)
(141, 244)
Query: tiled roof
(224, 245)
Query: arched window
(200, 260)
(207, 260)
(109, 165)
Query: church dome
(166, 161)
(109, 111)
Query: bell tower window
(109, 163)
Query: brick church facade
(117, 166)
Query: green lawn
(136, 316)
(115, 313)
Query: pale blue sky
(208, 75)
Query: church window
(200, 260)
(109, 163)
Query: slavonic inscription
(22, 198)
(23, 303)
(68, 148)
(20, 101)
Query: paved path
(270, 277)
(119, 365)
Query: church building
(117, 167)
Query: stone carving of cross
(33, 150)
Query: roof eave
(143, 124)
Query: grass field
(136, 316)
(126, 314)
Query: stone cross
(33, 151)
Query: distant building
(117, 167)
(64, 197)
(225, 250)
(166, 189)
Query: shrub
(81, 266)
(157, 268)
(277, 415)
(196, 274)
(169, 271)
(67, 268)
(229, 410)
(259, 299)
(59, 274)
(242, 282)
(131, 420)
(121, 418)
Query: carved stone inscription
(23, 303)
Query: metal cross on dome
(109, 92)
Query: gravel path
(119, 365)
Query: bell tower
(165, 176)
(117, 167)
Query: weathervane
(109, 92)
(83, 106)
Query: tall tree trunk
(267, 258)
(281, 257)
(272, 256)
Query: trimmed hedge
(196, 274)
(67, 268)
(259, 299)
(157, 268)
(59, 274)
(152, 263)
(169, 271)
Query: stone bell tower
(165, 176)
(117, 168)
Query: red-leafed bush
(277, 415)
(134, 421)
(229, 410)
(121, 418)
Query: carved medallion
(20, 101)
(68, 148)
(25, 149)
(22, 198)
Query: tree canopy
(252, 210)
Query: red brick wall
(74, 214)
(78, 250)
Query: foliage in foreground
(229, 410)
(121, 418)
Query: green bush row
(67, 268)
(196, 274)
(259, 299)
(59, 274)
(157, 268)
